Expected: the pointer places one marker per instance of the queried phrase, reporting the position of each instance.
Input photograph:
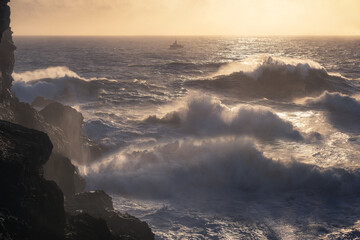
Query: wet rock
(99, 205)
(65, 174)
(31, 204)
(86, 227)
(41, 102)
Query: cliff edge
(32, 207)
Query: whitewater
(228, 138)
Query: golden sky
(186, 17)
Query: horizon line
(189, 35)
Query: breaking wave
(227, 165)
(335, 102)
(207, 116)
(47, 73)
(273, 78)
(57, 83)
(342, 111)
(64, 85)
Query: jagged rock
(94, 202)
(99, 205)
(86, 227)
(41, 102)
(70, 122)
(4, 16)
(31, 204)
(65, 174)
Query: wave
(207, 116)
(226, 165)
(342, 111)
(334, 102)
(57, 83)
(47, 73)
(63, 85)
(179, 65)
(273, 78)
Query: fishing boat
(175, 45)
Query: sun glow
(186, 17)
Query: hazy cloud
(242, 17)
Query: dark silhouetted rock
(7, 61)
(31, 204)
(70, 122)
(99, 205)
(4, 16)
(94, 202)
(41, 102)
(65, 174)
(86, 227)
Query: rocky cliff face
(99, 205)
(33, 208)
(62, 137)
(30, 206)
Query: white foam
(334, 101)
(207, 116)
(47, 73)
(212, 166)
(255, 66)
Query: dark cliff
(32, 207)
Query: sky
(186, 17)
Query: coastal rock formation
(30, 206)
(65, 174)
(99, 205)
(33, 208)
(70, 122)
(4, 16)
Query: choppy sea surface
(227, 138)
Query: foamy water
(228, 138)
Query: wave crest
(255, 66)
(47, 73)
(217, 165)
(57, 83)
(273, 78)
(204, 115)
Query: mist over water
(228, 138)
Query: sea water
(227, 138)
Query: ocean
(227, 138)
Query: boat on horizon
(175, 45)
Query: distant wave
(47, 73)
(178, 65)
(58, 83)
(207, 116)
(334, 102)
(215, 165)
(343, 111)
(62, 84)
(273, 78)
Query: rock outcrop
(33, 208)
(99, 205)
(30, 206)
(65, 174)
(4, 16)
